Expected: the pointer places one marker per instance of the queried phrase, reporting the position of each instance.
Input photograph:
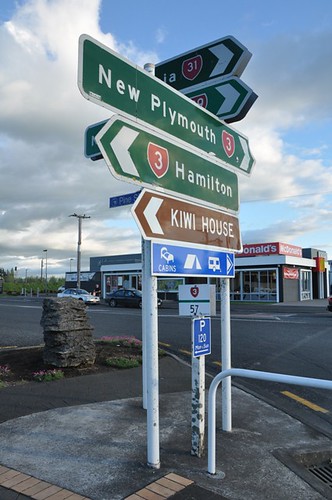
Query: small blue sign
(125, 199)
(187, 261)
(201, 336)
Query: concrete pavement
(86, 438)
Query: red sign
(256, 249)
(201, 99)
(158, 159)
(228, 143)
(290, 273)
(191, 68)
(194, 290)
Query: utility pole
(79, 218)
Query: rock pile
(67, 333)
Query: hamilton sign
(139, 155)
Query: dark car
(329, 304)
(126, 298)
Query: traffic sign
(124, 199)
(175, 260)
(223, 57)
(107, 79)
(197, 300)
(91, 148)
(230, 99)
(166, 218)
(201, 336)
(140, 155)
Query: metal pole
(79, 241)
(152, 363)
(152, 367)
(46, 290)
(145, 269)
(226, 353)
(79, 217)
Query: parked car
(329, 304)
(80, 294)
(126, 298)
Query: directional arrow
(150, 214)
(111, 81)
(171, 219)
(229, 98)
(223, 57)
(120, 145)
(142, 156)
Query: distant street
(282, 339)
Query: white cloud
(45, 177)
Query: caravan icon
(214, 264)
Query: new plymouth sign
(107, 79)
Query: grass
(123, 362)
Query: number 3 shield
(158, 159)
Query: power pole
(79, 218)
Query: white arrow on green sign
(138, 154)
(111, 81)
(230, 99)
(223, 57)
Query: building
(264, 272)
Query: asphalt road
(273, 338)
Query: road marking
(164, 344)
(305, 402)
(188, 353)
(216, 363)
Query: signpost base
(198, 406)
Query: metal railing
(239, 372)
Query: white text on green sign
(111, 81)
(223, 57)
(136, 154)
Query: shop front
(264, 272)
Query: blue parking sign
(201, 333)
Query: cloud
(45, 177)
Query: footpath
(85, 438)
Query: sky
(45, 178)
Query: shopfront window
(255, 285)
(305, 284)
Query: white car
(80, 294)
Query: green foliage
(123, 362)
(48, 375)
(31, 284)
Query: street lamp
(79, 217)
(46, 291)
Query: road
(274, 338)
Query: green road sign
(223, 57)
(137, 154)
(91, 149)
(109, 80)
(230, 99)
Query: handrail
(255, 374)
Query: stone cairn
(67, 333)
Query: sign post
(134, 153)
(201, 345)
(161, 217)
(223, 57)
(113, 82)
